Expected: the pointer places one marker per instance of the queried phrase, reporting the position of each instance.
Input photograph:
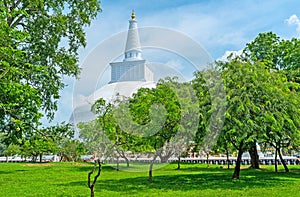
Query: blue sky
(219, 26)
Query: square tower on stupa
(133, 67)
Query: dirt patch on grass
(39, 164)
(245, 167)
(81, 164)
(232, 167)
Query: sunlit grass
(70, 179)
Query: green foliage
(211, 96)
(155, 122)
(2, 145)
(11, 150)
(257, 95)
(59, 139)
(242, 83)
(71, 150)
(39, 44)
(50, 140)
(276, 53)
(94, 138)
(161, 106)
(99, 136)
(260, 89)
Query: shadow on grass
(210, 169)
(6, 172)
(88, 168)
(220, 179)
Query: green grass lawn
(70, 179)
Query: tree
(39, 44)
(26, 150)
(104, 135)
(277, 54)
(212, 103)
(281, 122)
(72, 150)
(95, 139)
(47, 140)
(11, 150)
(223, 145)
(163, 117)
(95, 133)
(58, 135)
(244, 88)
(39, 145)
(264, 48)
(256, 94)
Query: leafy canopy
(39, 45)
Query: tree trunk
(34, 158)
(150, 171)
(92, 186)
(164, 158)
(282, 161)
(237, 169)
(118, 165)
(178, 163)
(254, 156)
(122, 154)
(92, 192)
(126, 159)
(41, 157)
(127, 162)
(228, 161)
(276, 169)
(151, 167)
(207, 161)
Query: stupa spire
(133, 67)
(132, 15)
(133, 47)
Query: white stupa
(127, 76)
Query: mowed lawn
(70, 179)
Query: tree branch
(89, 175)
(98, 174)
(15, 23)
(17, 4)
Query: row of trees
(233, 105)
(55, 140)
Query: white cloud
(294, 20)
(229, 53)
(176, 64)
